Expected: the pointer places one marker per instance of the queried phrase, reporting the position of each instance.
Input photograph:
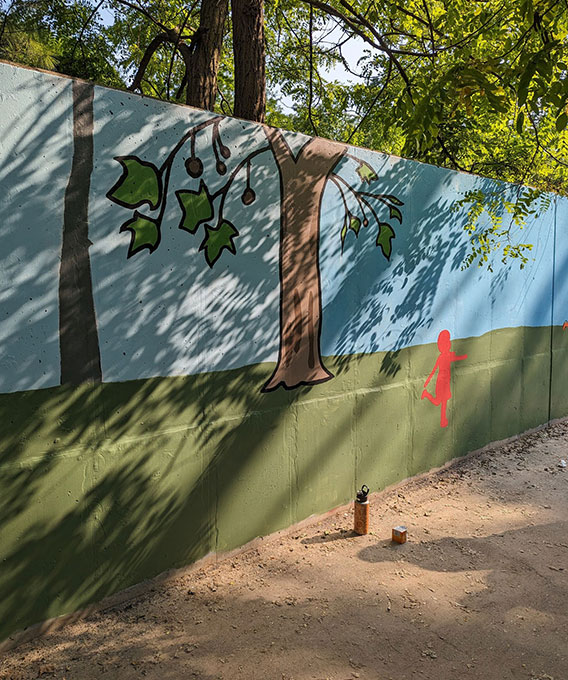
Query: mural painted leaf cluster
(367, 207)
(300, 361)
(143, 183)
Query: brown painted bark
(249, 59)
(302, 181)
(78, 336)
(205, 55)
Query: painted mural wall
(212, 329)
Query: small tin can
(399, 534)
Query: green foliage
(350, 222)
(132, 31)
(367, 203)
(495, 232)
(61, 35)
(395, 214)
(479, 87)
(29, 48)
(489, 70)
(475, 86)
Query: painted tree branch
(166, 168)
(224, 190)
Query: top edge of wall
(222, 115)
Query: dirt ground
(480, 590)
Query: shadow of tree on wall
(396, 304)
(104, 485)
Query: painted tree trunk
(78, 336)
(302, 181)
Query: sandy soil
(480, 590)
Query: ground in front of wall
(480, 590)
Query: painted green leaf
(139, 183)
(366, 172)
(217, 239)
(196, 207)
(343, 233)
(384, 238)
(393, 199)
(355, 224)
(395, 213)
(144, 231)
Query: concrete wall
(167, 392)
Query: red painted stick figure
(443, 364)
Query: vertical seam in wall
(552, 313)
(355, 439)
(295, 466)
(412, 405)
(216, 517)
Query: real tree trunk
(302, 182)
(206, 54)
(249, 59)
(78, 336)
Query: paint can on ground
(361, 511)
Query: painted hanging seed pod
(248, 194)
(193, 165)
(222, 149)
(225, 151)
